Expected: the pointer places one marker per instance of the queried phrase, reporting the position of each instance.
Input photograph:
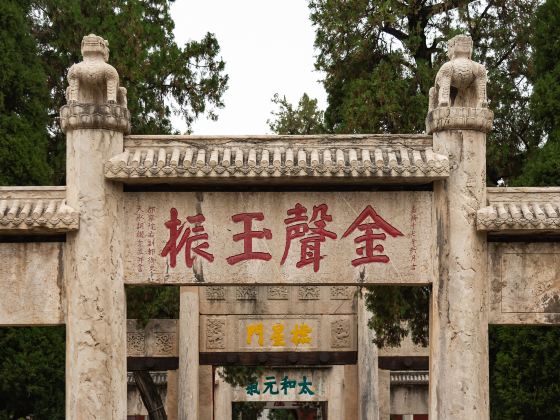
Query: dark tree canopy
(160, 76)
(24, 100)
(381, 57)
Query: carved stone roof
(409, 377)
(280, 159)
(159, 378)
(521, 209)
(36, 210)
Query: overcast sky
(267, 46)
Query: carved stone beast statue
(460, 82)
(94, 80)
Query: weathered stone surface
(32, 284)
(332, 159)
(36, 210)
(521, 210)
(524, 283)
(96, 306)
(87, 77)
(159, 337)
(459, 312)
(458, 99)
(222, 300)
(399, 250)
(250, 333)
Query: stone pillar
(222, 398)
(335, 407)
(188, 353)
(384, 394)
(95, 298)
(171, 403)
(367, 366)
(459, 313)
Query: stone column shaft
(368, 402)
(459, 314)
(96, 304)
(188, 354)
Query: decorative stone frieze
(215, 292)
(308, 292)
(520, 209)
(341, 336)
(215, 333)
(245, 292)
(209, 159)
(277, 292)
(463, 118)
(409, 377)
(341, 292)
(36, 210)
(95, 116)
(458, 99)
(159, 338)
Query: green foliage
(524, 375)
(32, 373)
(381, 57)
(398, 311)
(247, 410)
(307, 118)
(161, 77)
(24, 98)
(152, 302)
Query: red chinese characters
(180, 238)
(298, 226)
(247, 237)
(370, 252)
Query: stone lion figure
(460, 82)
(93, 80)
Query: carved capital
(96, 116)
(459, 118)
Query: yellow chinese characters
(257, 329)
(300, 334)
(277, 337)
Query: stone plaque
(256, 333)
(278, 238)
(524, 283)
(297, 385)
(31, 281)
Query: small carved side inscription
(246, 293)
(136, 344)
(340, 334)
(165, 343)
(277, 292)
(308, 292)
(340, 292)
(215, 293)
(215, 333)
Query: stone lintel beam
(370, 159)
(36, 211)
(521, 211)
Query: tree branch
(445, 6)
(397, 33)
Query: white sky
(268, 48)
